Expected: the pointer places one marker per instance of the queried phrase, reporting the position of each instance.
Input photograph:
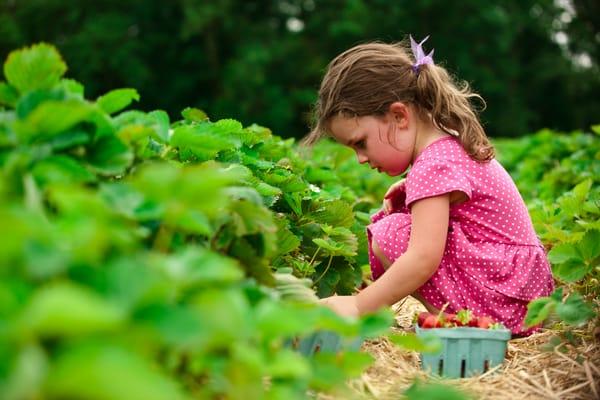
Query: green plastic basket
(465, 351)
(324, 341)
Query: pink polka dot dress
(493, 263)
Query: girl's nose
(362, 158)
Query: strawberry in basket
(463, 318)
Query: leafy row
(558, 175)
(150, 258)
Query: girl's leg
(379, 254)
(386, 264)
(428, 306)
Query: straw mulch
(532, 370)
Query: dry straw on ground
(529, 372)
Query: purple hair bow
(420, 57)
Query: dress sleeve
(432, 177)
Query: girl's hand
(345, 306)
(388, 200)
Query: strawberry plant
(150, 258)
(557, 175)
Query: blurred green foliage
(262, 61)
(558, 175)
(148, 259)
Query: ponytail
(451, 110)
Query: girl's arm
(429, 229)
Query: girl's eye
(360, 144)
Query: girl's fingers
(387, 199)
(394, 188)
(387, 205)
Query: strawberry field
(154, 256)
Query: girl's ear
(400, 113)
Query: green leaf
(73, 87)
(562, 253)
(574, 311)
(67, 309)
(334, 213)
(110, 156)
(127, 201)
(31, 100)
(194, 114)
(281, 319)
(557, 296)
(582, 190)
(69, 139)
(37, 67)
(330, 369)
(294, 289)
(539, 309)
(294, 201)
(326, 286)
(433, 391)
(286, 241)
(244, 193)
(162, 125)
(288, 364)
(101, 370)
(197, 266)
(227, 313)
(254, 134)
(61, 169)
(227, 126)
(571, 271)
(8, 95)
(424, 344)
(329, 245)
(252, 218)
(174, 324)
(50, 118)
(117, 99)
(350, 275)
(192, 221)
(28, 372)
(201, 140)
(589, 245)
(376, 324)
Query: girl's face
(368, 136)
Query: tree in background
(535, 62)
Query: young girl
(456, 231)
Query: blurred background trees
(535, 62)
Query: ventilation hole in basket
(463, 367)
(486, 365)
(317, 348)
(441, 367)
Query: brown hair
(367, 78)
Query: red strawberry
(420, 318)
(450, 320)
(432, 321)
(485, 322)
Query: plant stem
(314, 256)
(324, 272)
